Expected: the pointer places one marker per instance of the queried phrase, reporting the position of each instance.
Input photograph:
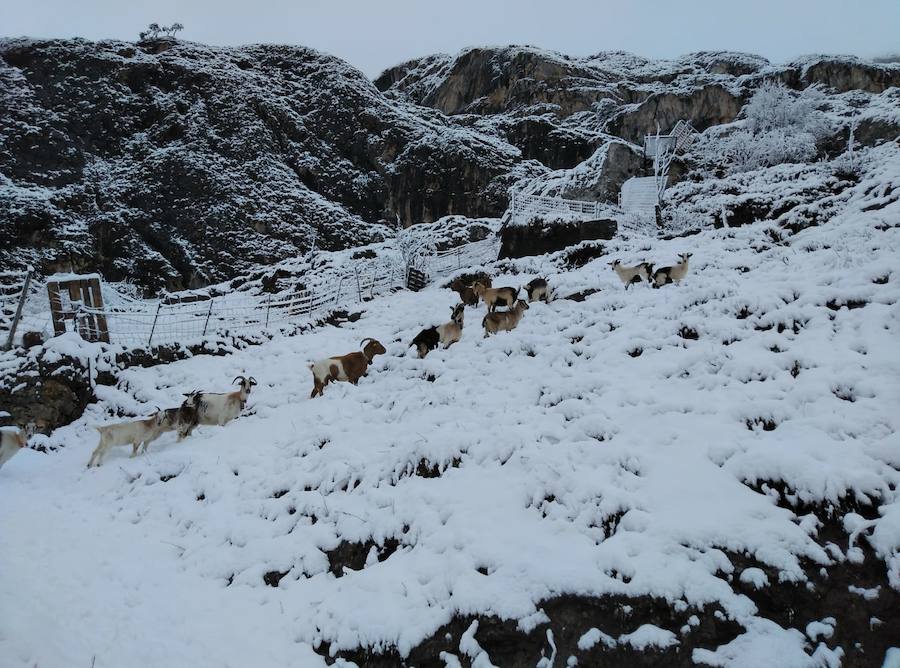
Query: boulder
(540, 237)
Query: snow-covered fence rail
(524, 208)
(192, 317)
(446, 262)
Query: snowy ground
(590, 412)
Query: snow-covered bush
(779, 126)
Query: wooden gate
(76, 304)
(416, 279)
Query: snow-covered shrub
(779, 126)
(847, 165)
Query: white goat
(219, 408)
(133, 432)
(13, 439)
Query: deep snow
(587, 411)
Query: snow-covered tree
(779, 126)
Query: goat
(183, 418)
(495, 297)
(350, 367)
(134, 432)
(673, 274)
(220, 408)
(504, 321)
(467, 293)
(13, 439)
(448, 333)
(537, 289)
(629, 275)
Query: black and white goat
(673, 274)
(446, 334)
(537, 290)
(629, 275)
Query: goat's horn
(363, 342)
(253, 380)
(238, 378)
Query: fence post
(268, 306)
(22, 297)
(208, 313)
(337, 299)
(358, 288)
(153, 328)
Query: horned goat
(350, 367)
(220, 408)
(504, 321)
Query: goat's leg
(95, 456)
(134, 448)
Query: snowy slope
(629, 445)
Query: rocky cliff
(177, 164)
(174, 164)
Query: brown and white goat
(673, 274)
(446, 334)
(495, 297)
(13, 439)
(350, 367)
(630, 275)
(537, 290)
(219, 408)
(504, 321)
(467, 292)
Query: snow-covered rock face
(197, 163)
(698, 474)
(173, 164)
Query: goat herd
(208, 408)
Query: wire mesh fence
(189, 318)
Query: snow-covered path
(605, 446)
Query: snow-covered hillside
(705, 473)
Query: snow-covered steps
(639, 195)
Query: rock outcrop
(175, 167)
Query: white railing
(446, 262)
(191, 318)
(524, 208)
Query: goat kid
(630, 275)
(184, 418)
(220, 408)
(673, 274)
(350, 367)
(446, 334)
(134, 433)
(13, 439)
(504, 321)
(537, 290)
(495, 297)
